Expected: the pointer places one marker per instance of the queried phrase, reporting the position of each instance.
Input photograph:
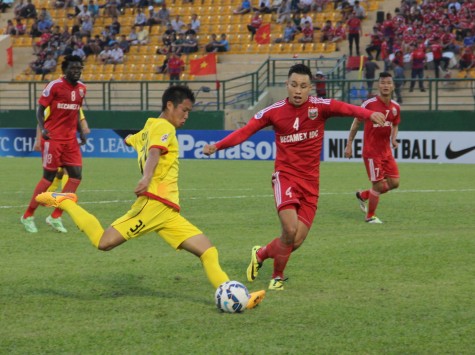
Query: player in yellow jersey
(157, 208)
(61, 177)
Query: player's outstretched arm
(209, 149)
(378, 118)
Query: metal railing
(244, 91)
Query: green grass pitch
(403, 287)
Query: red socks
(71, 186)
(278, 251)
(372, 203)
(41, 187)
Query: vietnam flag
(10, 56)
(263, 34)
(203, 66)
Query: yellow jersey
(161, 134)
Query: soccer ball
(232, 297)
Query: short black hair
(385, 74)
(177, 94)
(300, 69)
(70, 59)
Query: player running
(299, 123)
(378, 158)
(59, 145)
(157, 207)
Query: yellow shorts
(148, 215)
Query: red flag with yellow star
(263, 34)
(203, 66)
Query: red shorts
(292, 192)
(57, 154)
(380, 168)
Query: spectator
(223, 44)
(79, 51)
(256, 22)
(177, 24)
(283, 12)
(264, 7)
(124, 44)
(304, 6)
(105, 55)
(177, 45)
(163, 14)
(399, 77)
(46, 15)
(18, 8)
(438, 58)
(115, 26)
(212, 44)
(153, 18)
(370, 68)
(306, 18)
(20, 27)
(140, 18)
(327, 32)
(111, 8)
(142, 35)
(354, 33)
(189, 30)
(162, 69)
(307, 32)
(289, 34)
(117, 55)
(244, 8)
(43, 24)
(29, 10)
(418, 60)
(86, 26)
(42, 43)
(10, 29)
(375, 44)
(320, 85)
(339, 34)
(132, 37)
(92, 46)
(49, 66)
(359, 10)
(93, 9)
(175, 67)
(195, 23)
(467, 59)
(191, 44)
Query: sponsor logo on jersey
(46, 92)
(259, 115)
(68, 106)
(386, 124)
(164, 137)
(312, 112)
(298, 137)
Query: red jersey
(298, 132)
(64, 101)
(175, 65)
(376, 139)
(353, 25)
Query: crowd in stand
(414, 30)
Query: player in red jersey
(59, 145)
(299, 123)
(377, 142)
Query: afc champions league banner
(423, 147)
(108, 143)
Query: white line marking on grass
(239, 196)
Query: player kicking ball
(157, 207)
(378, 140)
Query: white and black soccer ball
(232, 297)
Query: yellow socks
(212, 269)
(85, 221)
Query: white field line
(250, 196)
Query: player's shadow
(113, 286)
